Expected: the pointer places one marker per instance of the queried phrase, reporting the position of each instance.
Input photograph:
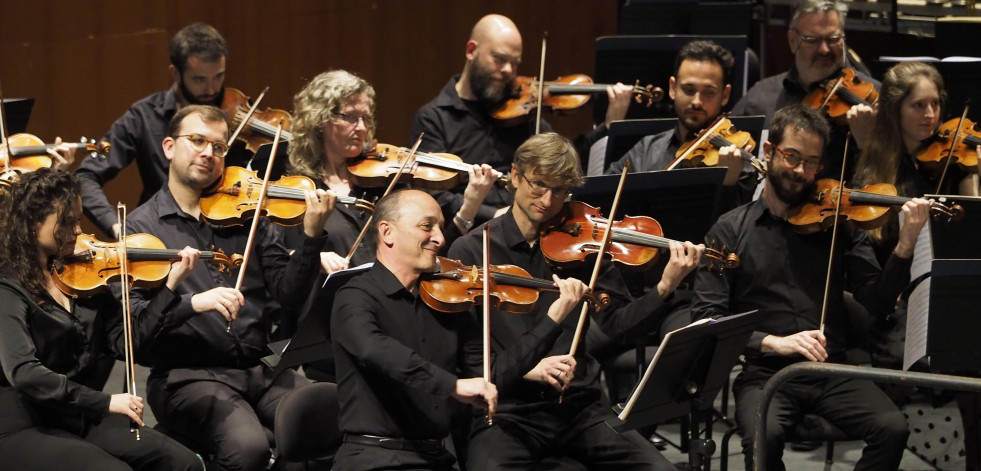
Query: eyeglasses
(792, 159)
(352, 119)
(539, 188)
(199, 142)
(832, 40)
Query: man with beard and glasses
(817, 39)
(699, 88)
(458, 120)
(782, 273)
(197, 65)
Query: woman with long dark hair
(54, 347)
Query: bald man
(400, 364)
(458, 120)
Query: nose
(361, 125)
(824, 47)
(78, 228)
(507, 69)
(437, 237)
(930, 111)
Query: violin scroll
(951, 212)
(721, 259)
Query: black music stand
(689, 369)
(17, 111)
(623, 135)
(312, 339)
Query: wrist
(462, 222)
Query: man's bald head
(494, 26)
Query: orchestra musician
(458, 120)
(700, 88)
(197, 65)
(531, 422)
(334, 121)
(816, 38)
(397, 358)
(207, 383)
(910, 110)
(56, 351)
(780, 274)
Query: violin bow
(248, 116)
(391, 184)
(486, 313)
(255, 217)
(607, 237)
(130, 361)
(541, 87)
(704, 136)
(834, 234)
(3, 134)
(950, 152)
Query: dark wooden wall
(85, 62)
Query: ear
(471, 48)
(671, 84)
(767, 151)
(513, 177)
(168, 147)
(386, 232)
(174, 73)
(725, 94)
(791, 40)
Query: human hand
(684, 258)
(571, 292)
(331, 262)
(181, 269)
(810, 343)
(556, 371)
(129, 405)
(320, 204)
(227, 301)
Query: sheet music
(922, 252)
(348, 271)
(917, 319)
(650, 368)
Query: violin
(964, 151)
(95, 264)
(28, 152)
(703, 149)
(575, 233)
(867, 208)
(563, 95)
(429, 171)
(836, 95)
(457, 288)
(233, 198)
(261, 127)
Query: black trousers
(109, 446)
(857, 407)
(521, 441)
(223, 410)
(355, 457)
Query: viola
(575, 234)
(28, 152)
(429, 171)
(95, 264)
(261, 127)
(867, 208)
(836, 95)
(561, 96)
(233, 199)
(703, 149)
(964, 151)
(458, 288)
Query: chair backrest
(306, 423)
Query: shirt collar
(387, 280)
(449, 98)
(511, 233)
(167, 205)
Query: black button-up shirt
(397, 359)
(272, 275)
(58, 360)
(783, 273)
(624, 317)
(465, 128)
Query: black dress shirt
(272, 275)
(624, 318)
(397, 360)
(466, 129)
(57, 361)
(782, 274)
